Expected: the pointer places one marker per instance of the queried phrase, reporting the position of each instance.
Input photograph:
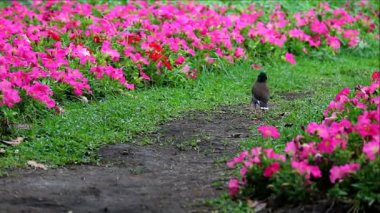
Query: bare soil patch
(295, 95)
(182, 165)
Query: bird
(260, 92)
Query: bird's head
(262, 77)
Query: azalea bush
(53, 51)
(337, 159)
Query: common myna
(260, 92)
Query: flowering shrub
(338, 158)
(55, 43)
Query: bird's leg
(253, 105)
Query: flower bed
(338, 158)
(75, 44)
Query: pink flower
(208, 59)
(231, 164)
(269, 131)
(325, 6)
(350, 33)
(180, 60)
(319, 27)
(328, 145)
(333, 42)
(255, 151)
(343, 93)
(42, 93)
(353, 42)
(315, 41)
(106, 49)
(243, 171)
(239, 159)
(271, 169)
(186, 68)
(233, 187)
(9, 95)
(297, 33)
(82, 53)
(144, 76)
(321, 130)
(239, 52)
(130, 86)
(304, 168)
(339, 172)
(306, 150)
(291, 148)
(365, 127)
(371, 149)
(273, 155)
(290, 58)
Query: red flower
(167, 64)
(132, 38)
(154, 56)
(155, 46)
(375, 76)
(54, 35)
(97, 39)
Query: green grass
(321, 81)
(75, 136)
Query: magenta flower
(237, 159)
(129, 86)
(350, 33)
(291, 148)
(371, 149)
(239, 52)
(233, 187)
(255, 151)
(180, 60)
(299, 34)
(243, 171)
(273, 155)
(42, 93)
(289, 57)
(306, 150)
(269, 131)
(333, 42)
(271, 169)
(106, 49)
(304, 168)
(144, 76)
(365, 126)
(319, 27)
(209, 59)
(10, 96)
(328, 146)
(339, 172)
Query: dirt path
(175, 172)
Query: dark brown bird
(260, 92)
